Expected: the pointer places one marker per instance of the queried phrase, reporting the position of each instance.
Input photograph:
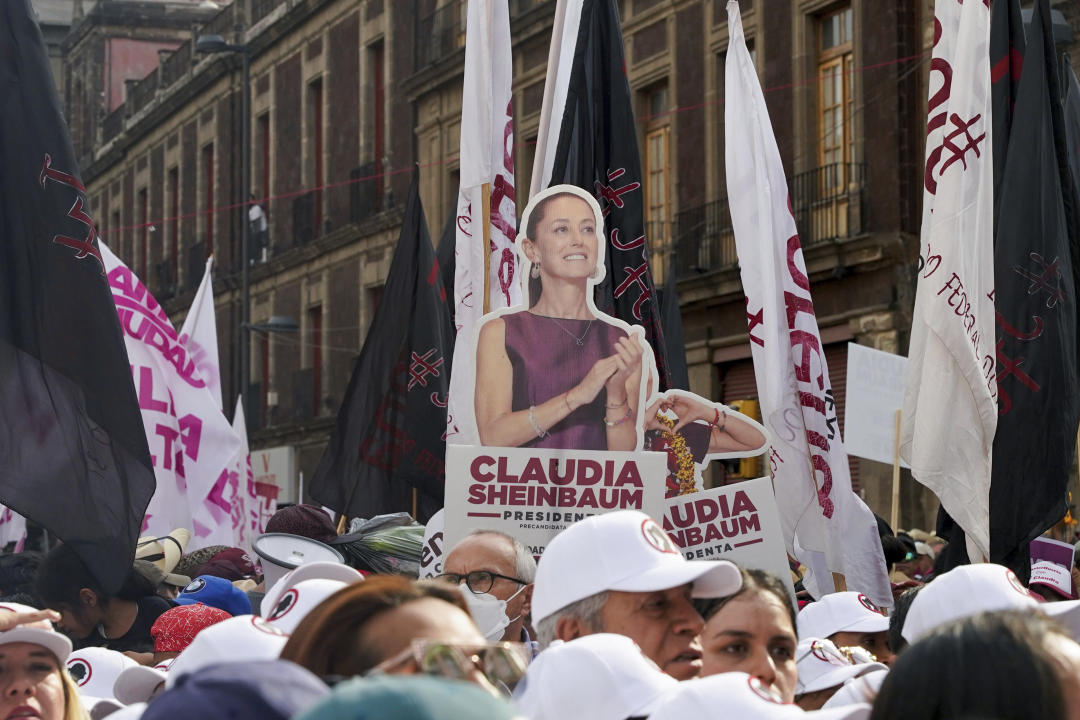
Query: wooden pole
(415, 502)
(485, 215)
(895, 515)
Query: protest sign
(737, 522)
(532, 494)
(875, 391)
(431, 554)
(1050, 550)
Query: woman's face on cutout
(565, 244)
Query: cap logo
(80, 671)
(195, 586)
(284, 605)
(655, 536)
(870, 605)
(763, 691)
(259, 624)
(1016, 584)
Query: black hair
(896, 619)
(62, 574)
(991, 665)
(894, 549)
(752, 579)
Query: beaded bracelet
(540, 432)
(621, 420)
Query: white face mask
(489, 612)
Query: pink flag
(825, 524)
(191, 442)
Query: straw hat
(164, 551)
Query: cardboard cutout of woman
(558, 373)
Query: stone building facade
(348, 94)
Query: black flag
(73, 452)
(1035, 299)
(1072, 127)
(1006, 63)
(671, 322)
(597, 150)
(390, 432)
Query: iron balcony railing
(829, 205)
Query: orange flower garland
(683, 457)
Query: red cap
(177, 627)
(232, 564)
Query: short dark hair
(62, 574)
(328, 640)
(897, 618)
(752, 579)
(991, 665)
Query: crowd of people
(612, 624)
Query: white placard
(533, 494)
(277, 466)
(737, 522)
(875, 391)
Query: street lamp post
(216, 44)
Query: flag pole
(485, 214)
(895, 515)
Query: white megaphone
(281, 552)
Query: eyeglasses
(479, 581)
(499, 665)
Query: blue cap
(259, 690)
(215, 592)
(408, 697)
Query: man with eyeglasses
(495, 573)
(620, 573)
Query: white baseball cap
(625, 550)
(600, 677)
(38, 633)
(1054, 576)
(821, 665)
(137, 684)
(95, 669)
(841, 612)
(861, 689)
(983, 587)
(297, 601)
(738, 695)
(239, 639)
(334, 571)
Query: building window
(174, 223)
(315, 342)
(657, 170)
(377, 103)
(143, 257)
(835, 96)
(262, 160)
(208, 198)
(315, 134)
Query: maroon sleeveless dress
(547, 361)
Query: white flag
(199, 334)
(950, 400)
(191, 442)
(486, 156)
(819, 512)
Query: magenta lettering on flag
(487, 159)
(191, 442)
(950, 410)
(818, 510)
